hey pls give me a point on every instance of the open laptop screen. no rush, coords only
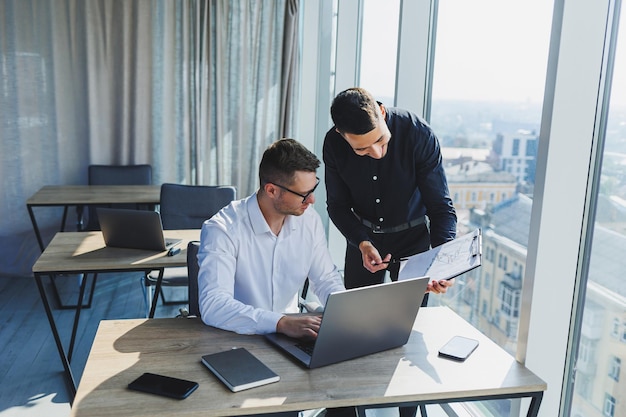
(135, 229)
(361, 321)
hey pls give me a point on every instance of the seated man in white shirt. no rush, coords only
(255, 254)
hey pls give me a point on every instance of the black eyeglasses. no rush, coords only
(304, 196)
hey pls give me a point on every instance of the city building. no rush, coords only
(516, 153)
(490, 296)
(475, 184)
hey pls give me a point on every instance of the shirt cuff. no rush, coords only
(268, 321)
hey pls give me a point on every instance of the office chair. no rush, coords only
(185, 207)
(192, 272)
(117, 175)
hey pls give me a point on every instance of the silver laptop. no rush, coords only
(359, 322)
(135, 229)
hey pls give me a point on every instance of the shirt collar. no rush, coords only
(259, 225)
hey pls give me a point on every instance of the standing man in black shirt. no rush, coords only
(387, 192)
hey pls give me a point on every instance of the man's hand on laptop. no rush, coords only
(299, 326)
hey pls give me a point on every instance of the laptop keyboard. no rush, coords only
(306, 347)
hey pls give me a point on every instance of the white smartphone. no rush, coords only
(458, 348)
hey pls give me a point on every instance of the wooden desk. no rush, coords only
(412, 374)
(82, 195)
(85, 252)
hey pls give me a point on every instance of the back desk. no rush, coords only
(84, 195)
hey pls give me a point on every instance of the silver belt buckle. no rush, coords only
(377, 229)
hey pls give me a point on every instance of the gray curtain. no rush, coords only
(195, 88)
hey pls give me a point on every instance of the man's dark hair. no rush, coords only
(355, 111)
(282, 159)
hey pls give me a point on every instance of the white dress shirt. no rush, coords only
(249, 276)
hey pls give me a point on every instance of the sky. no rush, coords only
(486, 49)
(494, 50)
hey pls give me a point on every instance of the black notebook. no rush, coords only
(239, 369)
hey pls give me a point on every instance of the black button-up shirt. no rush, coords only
(408, 182)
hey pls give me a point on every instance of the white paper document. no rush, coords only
(445, 261)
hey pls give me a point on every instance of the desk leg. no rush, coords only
(79, 218)
(35, 227)
(157, 289)
(62, 228)
(535, 402)
(57, 339)
(81, 294)
(57, 295)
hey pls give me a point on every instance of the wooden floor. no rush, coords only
(32, 381)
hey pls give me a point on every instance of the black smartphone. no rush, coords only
(458, 348)
(163, 385)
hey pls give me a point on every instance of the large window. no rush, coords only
(489, 77)
(605, 301)
(379, 48)
(488, 81)
(477, 72)
(487, 92)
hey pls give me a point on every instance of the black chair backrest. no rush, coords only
(188, 206)
(192, 273)
(117, 175)
(120, 174)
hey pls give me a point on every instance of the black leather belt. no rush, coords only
(376, 228)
